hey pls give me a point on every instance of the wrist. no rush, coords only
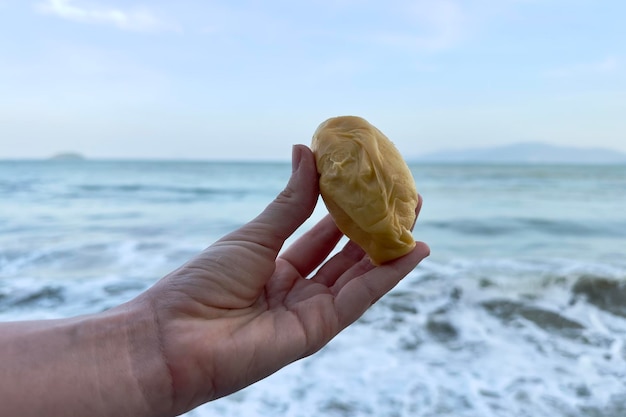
(106, 364)
(136, 358)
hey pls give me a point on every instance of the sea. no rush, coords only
(520, 311)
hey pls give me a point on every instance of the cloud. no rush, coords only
(605, 66)
(140, 20)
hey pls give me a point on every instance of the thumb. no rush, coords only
(289, 209)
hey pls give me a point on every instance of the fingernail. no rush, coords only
(296, 157)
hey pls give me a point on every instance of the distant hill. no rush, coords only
(528, 152)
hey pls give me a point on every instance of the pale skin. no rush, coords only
(229, 317)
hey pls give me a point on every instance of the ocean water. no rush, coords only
(519, 311)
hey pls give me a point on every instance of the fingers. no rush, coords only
(356, 295)
(337, 266)
(290, 208)
(361, 284)
(312, 248)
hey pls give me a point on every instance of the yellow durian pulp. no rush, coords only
(367, 186)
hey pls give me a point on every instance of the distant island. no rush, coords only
(527, 153)
(67, 156)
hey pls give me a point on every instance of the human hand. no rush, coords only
(239, 311)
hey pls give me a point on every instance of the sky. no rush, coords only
(230, 79)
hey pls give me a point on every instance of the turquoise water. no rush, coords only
(519, 311)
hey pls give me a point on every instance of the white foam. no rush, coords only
(389, 363)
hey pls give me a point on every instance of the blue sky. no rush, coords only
(247, 79)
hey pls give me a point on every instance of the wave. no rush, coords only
(9, 186)
(553, 227)
(88, 190)
(129, 191)
(463, 337)
(608, 294)
(440, 344)
(46, 296)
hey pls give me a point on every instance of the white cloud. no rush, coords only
(139, 19)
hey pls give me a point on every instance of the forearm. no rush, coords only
(99, 365)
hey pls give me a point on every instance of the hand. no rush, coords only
(238, 312)
(229, 317)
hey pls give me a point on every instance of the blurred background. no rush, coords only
(134, 134)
